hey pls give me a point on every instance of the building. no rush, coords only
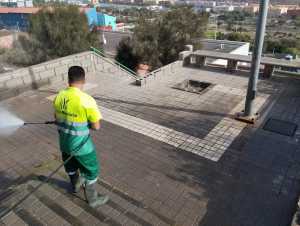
(15, 18)
(293, 12)
(107, 22)
(100, 20)
(16, 3)
(224, 46)
(274, 10)
(154, 7)
(278, 10)
(24, 4)
(91, 15)
(223, 8)
(252, 8)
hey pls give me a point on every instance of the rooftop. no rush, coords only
(26, 10)
(29, 10)
(223, 46)
(168, 156)
(245, 58)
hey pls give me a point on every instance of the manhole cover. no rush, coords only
(193, 86)
(281, 127)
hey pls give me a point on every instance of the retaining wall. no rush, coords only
(20, 80)
(33, 77)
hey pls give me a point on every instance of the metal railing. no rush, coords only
(169, 67)
(114, 62)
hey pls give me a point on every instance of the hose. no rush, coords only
(39, 123)
(7, 211)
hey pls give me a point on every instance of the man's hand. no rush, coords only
(95, 125)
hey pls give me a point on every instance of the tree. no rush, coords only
(221, 36)
(293, 51)
(239, 36)
(297, 21)
(178, 28)
(55, 31)
(62, 30)
(235, 16)
(26, 51)
(283, 45)
(158, 41)
(125, 54)
(38, 2)
(145, 42)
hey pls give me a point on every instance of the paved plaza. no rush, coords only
(168, 157)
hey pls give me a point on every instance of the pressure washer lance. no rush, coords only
(15, 207)
(39, 123)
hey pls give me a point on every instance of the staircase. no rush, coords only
(117, 67)
(103, 61)
(53, 204)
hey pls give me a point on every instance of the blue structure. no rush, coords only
(100, 19)
(105, 20)
(91, 15)
(18, 18)
(15, 21)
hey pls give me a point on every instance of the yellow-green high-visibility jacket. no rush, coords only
(74, 110)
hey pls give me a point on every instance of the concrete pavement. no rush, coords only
(155, 163)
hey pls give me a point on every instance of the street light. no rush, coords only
(249, 114)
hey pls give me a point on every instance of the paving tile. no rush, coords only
(154, 134)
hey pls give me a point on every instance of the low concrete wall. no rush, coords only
(18, 81)
(33, 77)
(167, 70)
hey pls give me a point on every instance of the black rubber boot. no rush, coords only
(92, 196)
(76, 182)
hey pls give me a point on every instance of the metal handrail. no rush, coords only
(128, 70)
(112, 61)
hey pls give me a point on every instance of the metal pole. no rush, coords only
(256, 57)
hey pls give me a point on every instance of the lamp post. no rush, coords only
(256, 58)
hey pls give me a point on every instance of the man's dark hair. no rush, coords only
(76, 74)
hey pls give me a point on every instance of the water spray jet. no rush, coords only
(10, 123)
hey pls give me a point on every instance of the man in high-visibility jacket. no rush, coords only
(76, 113)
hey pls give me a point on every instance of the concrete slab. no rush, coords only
(150, 142)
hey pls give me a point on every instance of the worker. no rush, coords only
(76, 113)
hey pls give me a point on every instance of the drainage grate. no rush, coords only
(282, 127)
(193, 86)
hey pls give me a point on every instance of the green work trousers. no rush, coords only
(88, 165)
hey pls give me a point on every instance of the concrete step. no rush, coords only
(12, 219)
(122, 207)
(53, 204)
(35, 210)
